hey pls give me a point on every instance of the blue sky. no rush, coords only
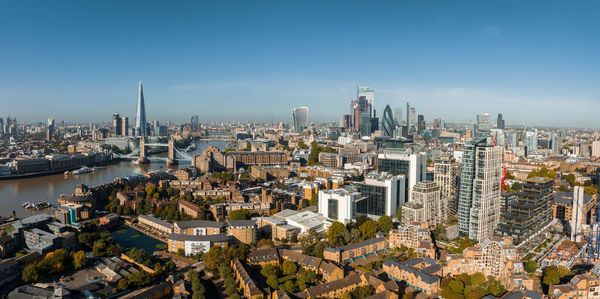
(537, 62)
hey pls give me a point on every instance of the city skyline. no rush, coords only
(449, 61)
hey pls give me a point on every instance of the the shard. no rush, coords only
(140, 115)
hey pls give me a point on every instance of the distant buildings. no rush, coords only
(300, 117)
(483, 126)
(500, 122)
(479, 195)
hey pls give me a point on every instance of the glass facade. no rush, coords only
(374, 204)
(332, 209)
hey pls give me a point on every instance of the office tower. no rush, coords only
(368, 95)
(420, 123)
(339, 204)
(346, 122)
(479, 192)
(500, 122)
(444, 174)
(140, 116)
(382, 193)
(398, 116)
(1, 125)
(116, 124)
(498, 135)
(300, 117)
(554, 143)
(427, 194)
(124, 125)
(365, 123)
(51, 128)
(410, 117)
(411, 166)
(194, 124)
(531, 141)
(578, 216)
(387, 122)
(484, 125)
(530, 212)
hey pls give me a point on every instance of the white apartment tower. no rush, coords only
(479, 193)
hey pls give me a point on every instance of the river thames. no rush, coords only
(13, 193)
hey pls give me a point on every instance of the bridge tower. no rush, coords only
(171, 153)
(142, 158)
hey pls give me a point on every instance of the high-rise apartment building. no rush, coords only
(387, 122)
(445, 175)
(554, 143)
(300, 117)
(141, 124)
(531, 141)
(426, 195)
(403, 162)
(479, 192)
(116, 124)
(513, 140)
(124, 125)
(596, 148)
(529, 212)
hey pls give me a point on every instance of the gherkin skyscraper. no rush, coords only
(388, 122)
(140, 115)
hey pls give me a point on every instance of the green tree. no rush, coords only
(213, 258)
(476, 279)
(385, 224)
(289, 268)
(530, 266)
(273, 282)
(123, 284)
(270, 270)
(289, 287)
(456, 286)
(241, 214)
(368, 229)
(31, 273)
(516, 187)
(335, 233)
(399, 214)
(570, 179)
(79, 259)
(550, 276)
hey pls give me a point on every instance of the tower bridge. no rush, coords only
(174, 155)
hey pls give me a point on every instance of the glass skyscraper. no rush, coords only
(387, 122)
(140, 114)
(300, 117)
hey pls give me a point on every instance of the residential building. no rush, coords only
(193, 244)
(156, 224)
(355, 251)
(562, 207)
(497, 257)
(188, 208)
(198, 227)
(329, 271)
(479, 193)
(530, 212)
(445, 175)
(423, 274)
(263, 257)
(243, 231)
(247, 285)
(434, 207)
(413, 235)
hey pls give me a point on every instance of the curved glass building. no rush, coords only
(300, 116)
(388, 122)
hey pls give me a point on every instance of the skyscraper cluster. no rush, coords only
(362, 117)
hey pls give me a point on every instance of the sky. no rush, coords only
(537, 62)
